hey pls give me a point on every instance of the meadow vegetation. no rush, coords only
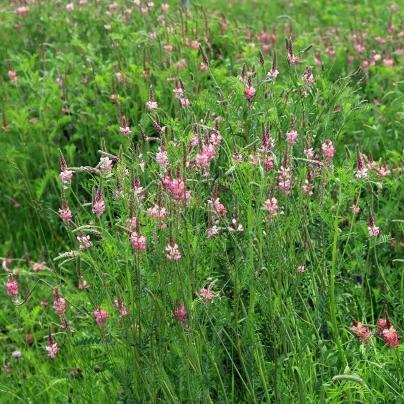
(203, 204)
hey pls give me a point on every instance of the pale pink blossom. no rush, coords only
(390, 336)
(212, 231)
(172, 251)
(22, 10)
(59, 305)
(52, 350)
(152, 105)
(309, 153)
(388, 62)
(70, 7)
(84, 242)
(38, 266)
(162, 157)
(271, 205)
(98, 204)
(284, 179)
(300, 269)
(138, 241)
(249, 92)
(65, 214)
(106, 164)
(185, 102)
(215, 204)
(13, 76)
(164, 7)
(328, 149)
(121, 307)
(195, 45)
(66, 176)
(291, 137)
(273, 74)
(360, 332)
(168, 48)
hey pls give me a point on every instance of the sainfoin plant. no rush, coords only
(227, 238)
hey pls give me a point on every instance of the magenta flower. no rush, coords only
(390, 336)
(12, 287)
(52, 347)
(59, 305)
(53, 350)
(66, 177)
(100, 315)
(138, 241)
(249, 92)
(65, 214)
(328, 149)
(106, 164)
(360, 332)
(180, 314)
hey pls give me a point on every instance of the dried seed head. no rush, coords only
(204, 57)
(262, 61)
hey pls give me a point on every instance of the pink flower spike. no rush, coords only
(52, 350)
(172, 251)
(180, 314)
(12, 287)
(291, 137)
(390, 336)
(328, 149)
(271, 205)
(59, 305)
(249, 92)
(100, 315)
(372, 228)
(98, 204)
(121, 307)
(361, 332)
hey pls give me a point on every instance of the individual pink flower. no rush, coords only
(215, 204)
(16, 354)
(70, 7)
(203, 67)
(12, 287)
(249, 92)
(38, 266)
(65, 214)
(309, 153)
(83, 283)
(164, 7)
(212, 231)
(372, 229)
(383, 171)
(362, 171)
(390, 336)
(13, 76)
(361, 332)
(307, 187)
(180, 314)
(106, 164)
(84, 242)
(271, 205)
(382, 323)
(168, 48)
(273, 74)
(162, 157)
(52, 347)
(291, 137)
(355, 208)
(98, 204)
(207, 294)
(284, 179)
(172, 251)
(160, 213)
(185, 102)
(22, 10)
(138, 241)
(118, 303)
(100, 315)
(59, 305)
(124, 129)
(66, 176)
(388, 62)
(300, 269)
(152, 105)
(328, 149)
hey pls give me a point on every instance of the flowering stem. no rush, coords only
(333, 307)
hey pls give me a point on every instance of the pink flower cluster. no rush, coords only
(159, 213)
(172, 251)
(59, 305)
(284, 179)
(180, 314)
(12, 287)
(361, 332)
(328, 149)
(84, 242)
(175, 187)
(121, 307)
(388, 332)
(217, 207)
(271, 205)
(100, 315)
